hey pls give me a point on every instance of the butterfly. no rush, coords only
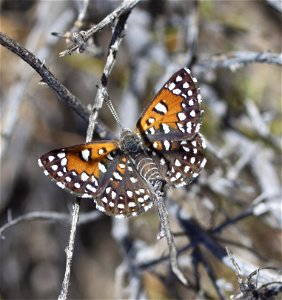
(120, 175)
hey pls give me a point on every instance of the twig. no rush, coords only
(111, 58)
(235, 60)
(69, 250)
(40, 43)
(48, 216)
(83, 10)
(166, 231)
(198, 257)
(275, 4)
(113, 48)
(81, 37)
(192, 29)
(62, 92)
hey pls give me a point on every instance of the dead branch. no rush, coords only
(236, 60)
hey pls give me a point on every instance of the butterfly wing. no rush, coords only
(179, 162)
(126, 194)
(83, 170)
(99, 170)
(175, 113)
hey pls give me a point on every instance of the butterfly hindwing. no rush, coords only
(175, 113)
(180, 161)
(126, 194)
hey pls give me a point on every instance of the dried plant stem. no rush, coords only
(69, 250)
(235, 60)
(83, 36)
(166, 231)
(62, 92)
(98, 102)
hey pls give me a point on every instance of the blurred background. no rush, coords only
(242, 125)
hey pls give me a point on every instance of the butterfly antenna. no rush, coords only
(112, 109)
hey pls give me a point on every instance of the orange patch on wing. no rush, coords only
(173, 103)
(78, 164)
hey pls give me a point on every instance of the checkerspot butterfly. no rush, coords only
(120, 175)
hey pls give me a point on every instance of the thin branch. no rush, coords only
(235, 60)
(275, 4)
(69, 250)
(79, 38)
(62, 92)
(166, 231)
(48, 216)
(111, 58)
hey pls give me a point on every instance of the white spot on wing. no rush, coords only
(133, 179)
(189, 127)
(54, 167)
(161, 108)
(187, 70)
(192, 113)
(171, 86)
(91, 188)
(203, 163)
(117, 176)
(61, 185)
(85, 154)
(176, 91)
(186, 169)
(64, 161)
(61, 155)
(129, 193)
(166, 145)
(177, 163)
(181, 116)
(40, 163)
(102, 167)
(84, 176)
(165, 128)
(178, 78)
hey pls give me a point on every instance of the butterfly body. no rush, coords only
(121, 175)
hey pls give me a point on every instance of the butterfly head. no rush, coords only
(130, 142)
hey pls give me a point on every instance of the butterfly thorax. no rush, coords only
(130, 142)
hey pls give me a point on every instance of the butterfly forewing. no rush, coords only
(175, 113)
(82, 169)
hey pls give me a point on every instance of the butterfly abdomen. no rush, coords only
(146, 167)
